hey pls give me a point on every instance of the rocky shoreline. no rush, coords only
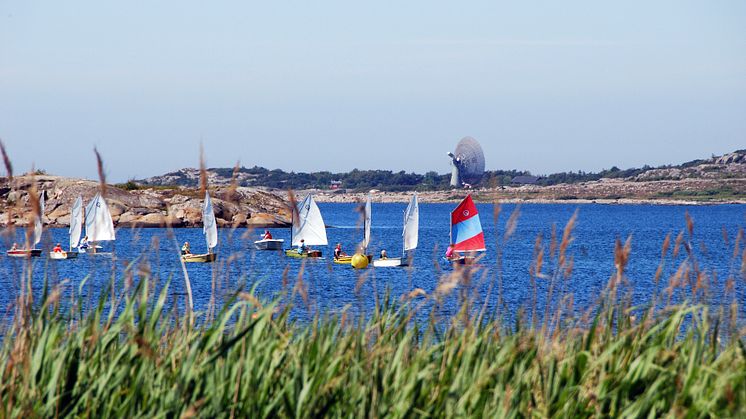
(256, 207)
(604, 191)
(144, 208)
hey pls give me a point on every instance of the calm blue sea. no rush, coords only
(333, 287)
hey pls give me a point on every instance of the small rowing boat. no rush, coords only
(269, 244)
(23, 253)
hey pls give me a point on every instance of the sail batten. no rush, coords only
(308, 225)
(410, 233)
(466, 228)
(209, 226)
(76, 222)
(98, 223)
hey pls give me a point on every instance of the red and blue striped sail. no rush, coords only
(466, 229)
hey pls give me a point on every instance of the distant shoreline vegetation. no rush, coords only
(391, 181)
(384, 180)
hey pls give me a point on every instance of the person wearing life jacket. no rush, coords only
(449, 252)
(267, 235)
(58, 248)
(338, 253)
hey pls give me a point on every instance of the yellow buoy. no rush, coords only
(359, 261)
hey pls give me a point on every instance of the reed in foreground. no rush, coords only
(131, 356)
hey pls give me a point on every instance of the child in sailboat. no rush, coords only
(302, 248)
(384, 255)
(83, 243)
(267, 235)
(338, 251)
(449, 252)
(186, 249)
(58, 248)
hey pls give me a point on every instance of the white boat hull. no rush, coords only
(389, 263)
(63, 255)
(24, 253)
(269, 244)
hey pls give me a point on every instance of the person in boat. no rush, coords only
(338, 253)
(58, 248)
(14, 247)
(449, 252)
(302, 248)
(384, 255)
(84, 243)
(186, 249)
(267, 235)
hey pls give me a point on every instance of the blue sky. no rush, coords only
(544, 85)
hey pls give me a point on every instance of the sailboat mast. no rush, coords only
(404, 237)
(293, 210)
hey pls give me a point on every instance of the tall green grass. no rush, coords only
(133, 356)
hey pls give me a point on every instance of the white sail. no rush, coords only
(366, 224)
(308, 224)
(76, 222)
(411, 224)
(98, 223)
(209, 227)
(38, 225)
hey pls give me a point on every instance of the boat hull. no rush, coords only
(58, 255)
(347, 260)
(389, 263)
(315, 254)
(63, 255)
(204, 258)
(463, 260)
(269, 244)
(26, 253)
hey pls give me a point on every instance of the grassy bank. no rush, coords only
(130, 355)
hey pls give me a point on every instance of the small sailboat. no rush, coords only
(98, 223)
(467, 237)
(347, 259)
(76, 227)
(38, 229)
(410, 235)
(210, 229)
(308, 228)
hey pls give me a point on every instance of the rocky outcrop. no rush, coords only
(727, 166)
(149, 207)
